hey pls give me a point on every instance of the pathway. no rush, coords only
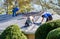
(8, 20)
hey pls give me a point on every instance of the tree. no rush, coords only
(12, 32)
(47, 5)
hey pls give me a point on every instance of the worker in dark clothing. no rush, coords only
(29, 21)
(48, 17)
(15, 9)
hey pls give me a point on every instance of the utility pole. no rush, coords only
(7, 8)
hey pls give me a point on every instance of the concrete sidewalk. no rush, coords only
(20, 21)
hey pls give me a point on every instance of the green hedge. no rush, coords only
(44, 29)
(54, 34)
(13, 32)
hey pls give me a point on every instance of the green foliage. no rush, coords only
(54, 34)
(45, 28)
(13, 32)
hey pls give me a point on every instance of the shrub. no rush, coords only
(44, 29)
(54, 34)
(12, 32)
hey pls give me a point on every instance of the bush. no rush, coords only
(54, 34)
(44, 29)
(12, 32)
